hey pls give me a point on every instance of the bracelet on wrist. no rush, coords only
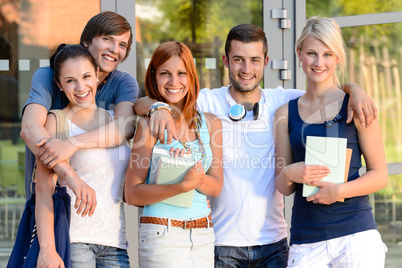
(159, 105)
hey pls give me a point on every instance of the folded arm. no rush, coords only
(52, 151)
(287, 173)
(374, 179)
(136, 191)
(33, 131)
(112, 134)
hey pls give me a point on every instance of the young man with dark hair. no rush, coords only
(108, 36)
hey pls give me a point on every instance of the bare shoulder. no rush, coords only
(213, 121)
(211, 117)
(282, 111)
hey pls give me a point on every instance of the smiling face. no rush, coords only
(78, 80)
(108, 51)
(246, 63)
(172, 81)
(319, 62)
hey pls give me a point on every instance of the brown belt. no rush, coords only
(200, 223)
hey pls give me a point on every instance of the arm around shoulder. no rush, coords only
(113, 134)
(360, 104)
(125, 119)
(142, 105)
(159, 120)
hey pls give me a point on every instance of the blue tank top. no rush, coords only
(199, 207)
(314, 222)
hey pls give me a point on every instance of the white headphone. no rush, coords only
(237, 111)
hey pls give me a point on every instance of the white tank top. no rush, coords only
(104, 170)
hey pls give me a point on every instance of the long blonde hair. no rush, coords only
(327, 31)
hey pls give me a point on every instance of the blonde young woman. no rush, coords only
(325, 232)
(174, 236)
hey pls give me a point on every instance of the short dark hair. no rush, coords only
(106, 23)
(246, 33)
(65, 52)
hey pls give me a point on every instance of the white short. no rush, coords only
(163, 246)
(363, 249)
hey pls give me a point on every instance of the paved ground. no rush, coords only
(394, 255)
(5, 250)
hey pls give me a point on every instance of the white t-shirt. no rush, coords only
(249, 210)
(104, 170)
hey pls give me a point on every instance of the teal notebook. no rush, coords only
(329, 152)
(166, 169)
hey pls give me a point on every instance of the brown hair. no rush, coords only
(65, 52)
(162, 54)
(246, 33)
(106, 23)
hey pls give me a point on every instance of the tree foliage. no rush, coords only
(201, 20)
(386, 34)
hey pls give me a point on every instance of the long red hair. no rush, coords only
(162, 54)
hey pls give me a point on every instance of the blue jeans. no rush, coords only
(93, 255)
(273, 256)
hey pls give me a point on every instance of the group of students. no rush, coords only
(244, 225)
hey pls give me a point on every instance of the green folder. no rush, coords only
(166, 169)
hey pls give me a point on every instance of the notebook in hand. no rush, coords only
(326, 151)
(166, 169)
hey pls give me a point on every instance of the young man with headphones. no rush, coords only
(250, 230)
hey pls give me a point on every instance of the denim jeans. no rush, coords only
(273, 256)
(96, 256)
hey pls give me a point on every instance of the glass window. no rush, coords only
(30, 31)
(387, 205)
(201, 25)
(375, 62)
(340, 8)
